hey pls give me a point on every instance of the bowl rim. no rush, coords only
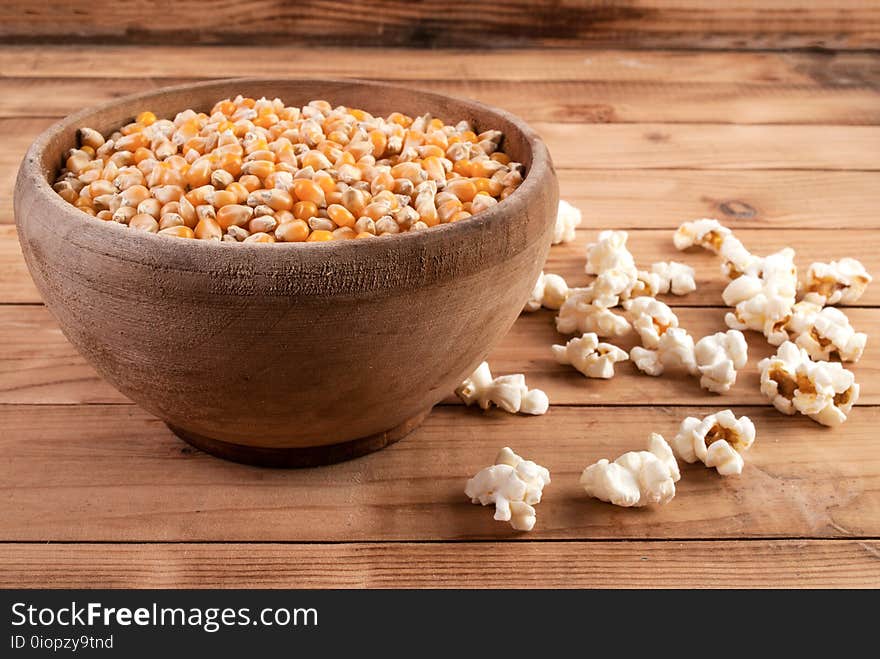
(32, 172)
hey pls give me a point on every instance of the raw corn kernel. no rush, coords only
(256, 170)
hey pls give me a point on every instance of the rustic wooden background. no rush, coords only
(784, 147)
(739, 24)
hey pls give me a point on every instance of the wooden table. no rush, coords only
(784, 148)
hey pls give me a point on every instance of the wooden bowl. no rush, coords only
(286, 354)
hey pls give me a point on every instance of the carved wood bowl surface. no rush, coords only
(286, 353)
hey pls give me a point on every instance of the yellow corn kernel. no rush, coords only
(177, 232)
(143, 222)
(222, 198)
(463, 188)
(234, 215)
(295, 231)
(344, 233)
(340, 215)
(260, 238)
(146, 118)
(320, 236)
(208, 229)
(487, 186)
(307, 190)
(303, 210)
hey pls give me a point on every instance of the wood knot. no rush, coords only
(657, 136)
(738, 209)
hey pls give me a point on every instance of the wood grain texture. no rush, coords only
(117, 474)
(718, 564)
(711, 146)
(541, 101)
(653, 23)
(744, 199)
(82, 465)
(39, 366)
(817, 69)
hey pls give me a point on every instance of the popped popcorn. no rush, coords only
(764, 303)
(509, 392)
(737, 260)
(550, 292)
(609, 253)
(589, 356)
(610, 286)
(636, 478)
(568, 218)
(823, 391)
(841, 281)
(580, 314)
(675, 349)
(676, 278)
(514, 485)
(650, 318)
(718, 357)
(717, 440)
(705, 233)
(823, 332)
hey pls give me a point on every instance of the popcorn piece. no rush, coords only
(580, 314)
(823, 391)
(718, 356)
(610, 286)
(825, 332)
(676, 278)
(650, 318)
(717, 441)
(841, 281)
(637, 478)
(737, 260)
(509, 392)
(589, 356)
(706, 233)
(550, 291)
(764, 303)
(609, 253)
(645, 284)
(675, 349)
(514, 485)
(567, 219)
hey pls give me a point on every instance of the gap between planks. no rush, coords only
(635, 564)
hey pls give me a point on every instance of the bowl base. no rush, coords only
(312, 456)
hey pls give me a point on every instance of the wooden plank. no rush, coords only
(663, 198)
(553, 101)
(707, 146)
(826, 69)
(648, 245)
(694, 564)
(113, 473)
(39, 366)
(646, 23)
(16, 286)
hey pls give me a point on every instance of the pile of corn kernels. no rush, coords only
(259, 171)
